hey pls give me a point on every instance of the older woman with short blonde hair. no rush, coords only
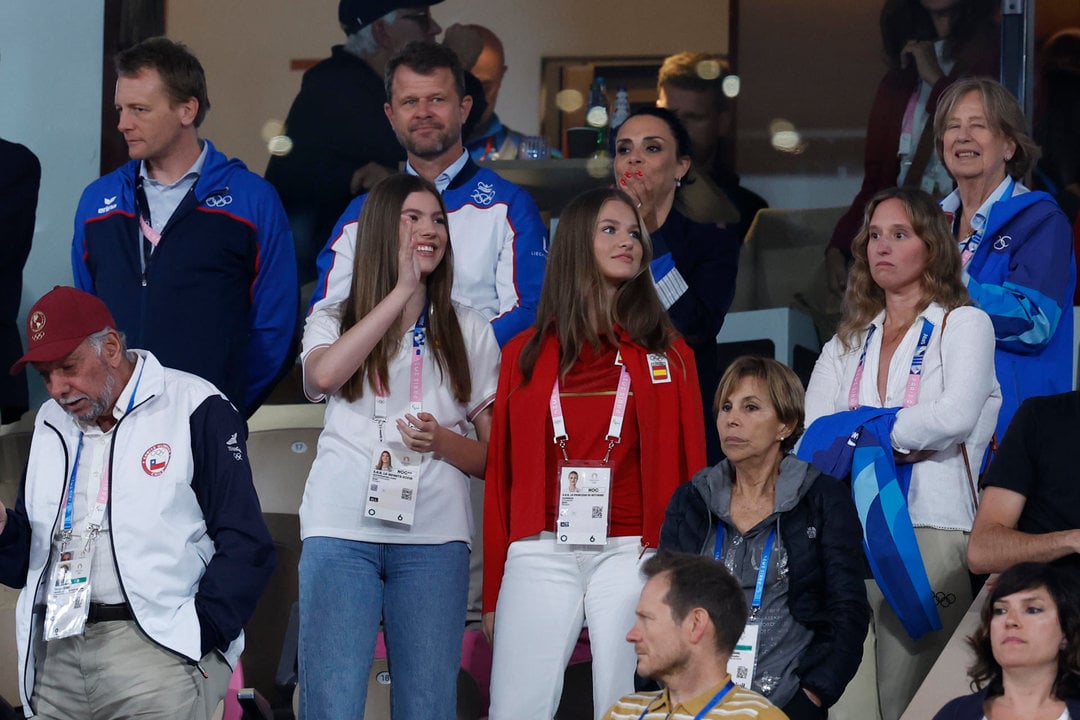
(1016, 245)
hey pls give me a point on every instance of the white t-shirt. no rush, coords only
(335, 494)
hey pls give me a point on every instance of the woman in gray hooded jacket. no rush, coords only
(791, 537)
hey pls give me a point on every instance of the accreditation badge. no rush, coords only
(67, 601)
(392, 484)
(584, 503)
(744, 656)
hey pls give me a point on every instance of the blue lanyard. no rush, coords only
(911, 391)
(69, 504)
(419, 335)
(763, 566)
(711, 704)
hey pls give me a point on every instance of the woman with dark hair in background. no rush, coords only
(694, 263)
(1027, 649)
(928, 45)
(604, 375)
(1058, 171)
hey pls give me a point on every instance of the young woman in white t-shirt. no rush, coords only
(386, 516)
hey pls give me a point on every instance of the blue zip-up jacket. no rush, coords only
(500, 250)
(192, 551)
(218, 296)
(1023, 275)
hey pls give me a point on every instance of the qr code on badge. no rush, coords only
(597, 512)
(374, 487)
(406, 494)
(740, 673)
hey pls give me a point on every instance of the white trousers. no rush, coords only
(548, 593)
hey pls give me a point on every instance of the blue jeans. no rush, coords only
(346, 588)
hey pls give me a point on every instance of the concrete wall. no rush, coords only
(50, 101)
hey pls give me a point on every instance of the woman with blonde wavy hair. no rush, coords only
(909, 339)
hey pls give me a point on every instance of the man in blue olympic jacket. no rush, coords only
(500, 249)
(190, 251)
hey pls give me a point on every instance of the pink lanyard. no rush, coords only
(416, 377)
(618, 413)
(150, 233)
(911, 392)
(907, 129)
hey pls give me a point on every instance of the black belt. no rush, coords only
(103, 612)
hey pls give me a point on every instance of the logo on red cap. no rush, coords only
(37, 325)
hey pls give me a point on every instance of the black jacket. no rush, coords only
(827, 590)
(970, 707)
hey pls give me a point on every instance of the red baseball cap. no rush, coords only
(59, 322)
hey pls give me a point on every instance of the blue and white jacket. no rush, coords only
(500, 250)
(1023, 275)
(192, 552)
(218, 296)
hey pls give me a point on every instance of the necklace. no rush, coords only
(892, 334)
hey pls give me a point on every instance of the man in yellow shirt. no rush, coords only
(691, 614)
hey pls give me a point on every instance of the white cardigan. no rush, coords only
(958, 401)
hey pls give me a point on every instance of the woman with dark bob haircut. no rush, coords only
(1027, 649)
(761, 505)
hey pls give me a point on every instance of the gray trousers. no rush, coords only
(113, 670)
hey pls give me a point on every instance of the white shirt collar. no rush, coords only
(194, 171)
(446, 176)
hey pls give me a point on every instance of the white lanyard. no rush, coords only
(96, 512)
(618, 413)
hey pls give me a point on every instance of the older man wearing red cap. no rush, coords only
(137, 537)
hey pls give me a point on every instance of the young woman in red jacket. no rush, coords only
(602, 387)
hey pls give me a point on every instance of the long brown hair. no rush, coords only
(940, 280)
(573, 302)
(375, 272)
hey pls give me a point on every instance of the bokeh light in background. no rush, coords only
(709, 69)
(273, 134)
(731, 86)
(569, 100)
(785, 138)
(598, 167)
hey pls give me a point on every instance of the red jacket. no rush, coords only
(669, 423)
